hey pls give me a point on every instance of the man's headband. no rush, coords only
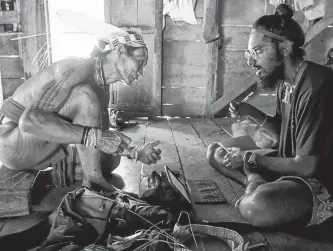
(133, 40)
(270, 34)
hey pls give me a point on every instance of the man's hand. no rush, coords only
(233, 110)
(240, 109)
(148, 155)
(234, 159)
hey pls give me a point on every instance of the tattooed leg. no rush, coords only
(93, 160)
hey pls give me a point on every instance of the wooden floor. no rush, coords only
(183, 144)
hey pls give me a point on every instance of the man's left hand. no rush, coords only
(148, 154)
(234, 159)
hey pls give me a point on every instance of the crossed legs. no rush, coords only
(267, 204)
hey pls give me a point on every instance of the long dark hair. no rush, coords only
(282, 24)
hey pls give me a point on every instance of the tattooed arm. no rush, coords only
(41, 119)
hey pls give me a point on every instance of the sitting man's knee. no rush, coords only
(255, 208)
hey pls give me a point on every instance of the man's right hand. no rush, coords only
(148, 154)
(233, 109)
(240, 109)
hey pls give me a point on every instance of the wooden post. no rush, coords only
(1, 88)
(222, 102)
(211, 36)
(157, 85)
(33, 22)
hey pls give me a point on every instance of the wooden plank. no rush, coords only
(9, 86)
(128, 169)
(184, 32)
(192, 153)
(1, 90)
(15, 192)
(232, 67)
(212, 52)
(231, 79)
(234, 61)
(209, 133)
(146, 13)
(14, 203)
(11, 67)
(320, 45)
(184, 53)
(225, 124)
(122, 12)
(7, 46)
(241, 12)
(184, 110)
(235, 37)
(136, 110)
(175, 75)
(9, 17)
(210, 25)
(158, 52)
(230, 96)
(183, 95)
(211, 32)
(33, 21)
(159, 129)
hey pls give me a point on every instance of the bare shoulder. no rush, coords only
(83, 99)
(83, 66)
(85, 94)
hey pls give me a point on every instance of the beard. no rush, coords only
(270, 82)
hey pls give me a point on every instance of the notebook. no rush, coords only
(196, 191)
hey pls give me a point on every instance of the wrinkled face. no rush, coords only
(265, 58)
(130, 67)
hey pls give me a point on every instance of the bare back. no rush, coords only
(56, 89)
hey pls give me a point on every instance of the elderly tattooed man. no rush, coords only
(65, 105)
(302, 188)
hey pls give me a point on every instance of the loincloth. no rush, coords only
(322, 201)
(11, 109)
(63, 173)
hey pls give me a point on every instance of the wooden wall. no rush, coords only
(184, 68)
(185, 59)
(11, 65)
(144, 97)
(237, 18)
(16, 56)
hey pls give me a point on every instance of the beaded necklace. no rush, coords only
(289, 88)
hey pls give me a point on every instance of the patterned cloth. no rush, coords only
(322, 201)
